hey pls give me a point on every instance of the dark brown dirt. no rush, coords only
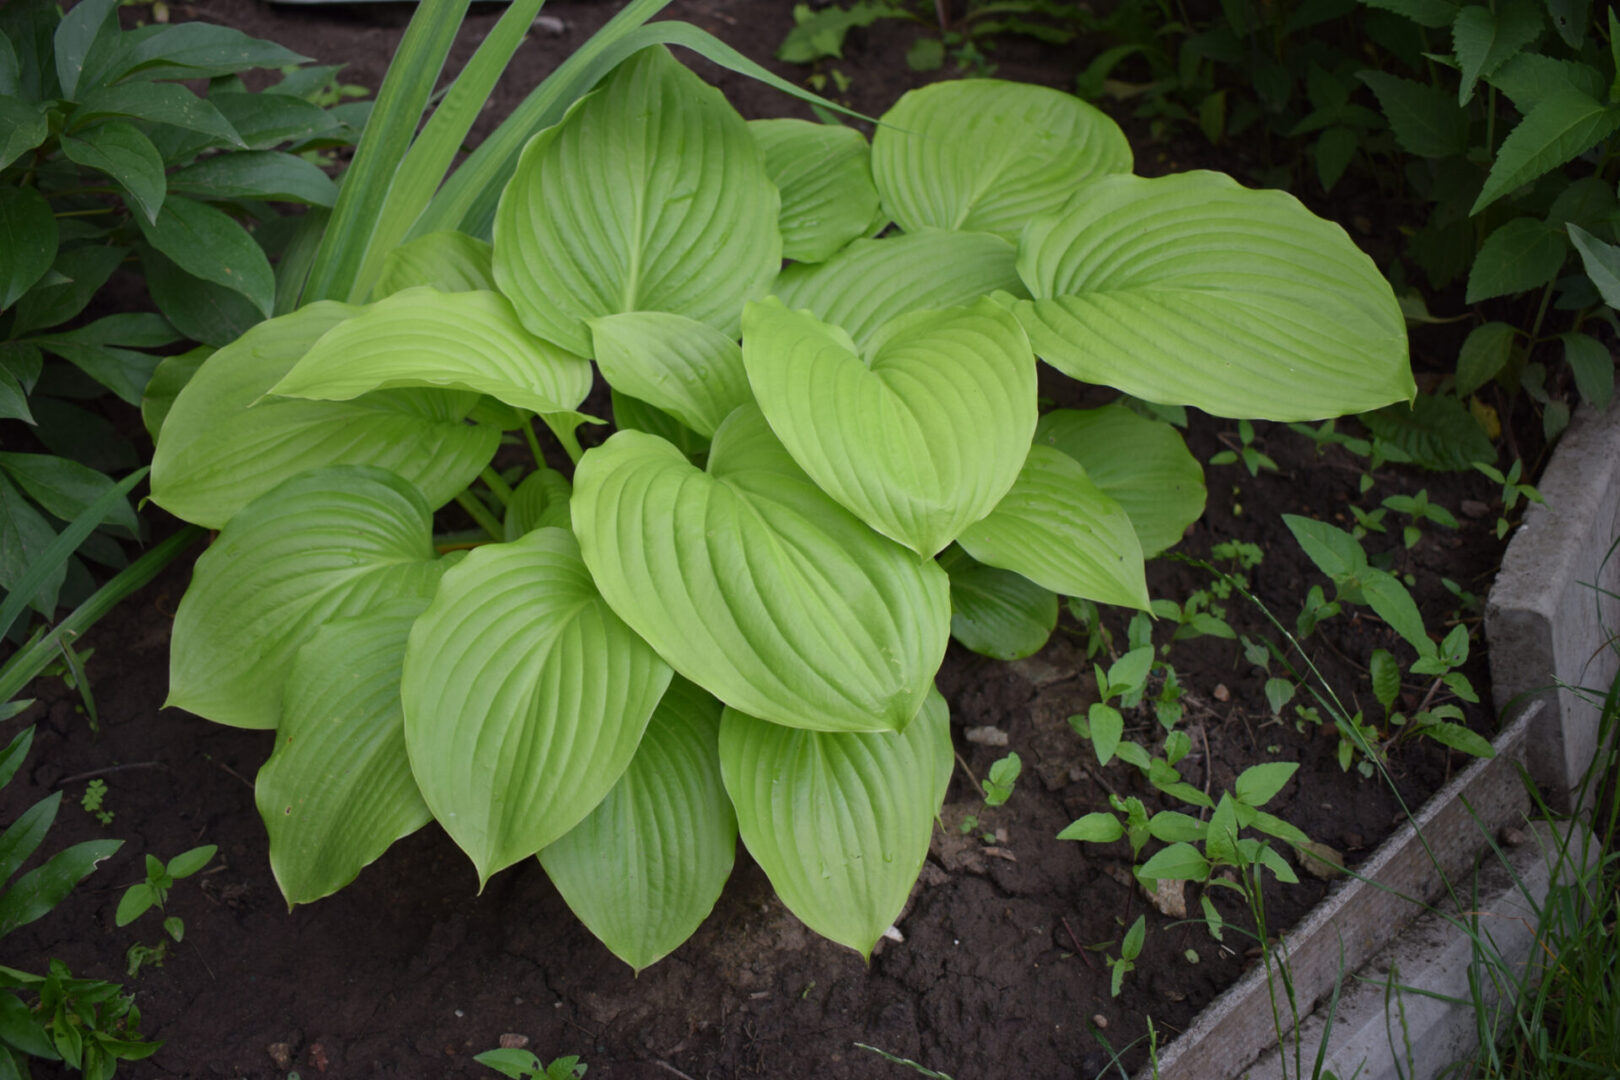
(408, 973)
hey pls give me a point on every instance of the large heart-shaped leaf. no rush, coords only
(525, 697)
(872, 282)
(222, 446)
(338, 790)
(453, 340)
(1060, 531)
(324, 545)
(986, 155)
(824, 172)
(840, 823)
(650, 195)
(756, 585)
(1143, 464)
(919, 438)
(447, 260)
(645, 868)
(686, 368)
(1189, 289)
(996, 612)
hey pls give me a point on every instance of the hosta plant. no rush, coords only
(728, 618)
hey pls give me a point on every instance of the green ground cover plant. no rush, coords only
(87, 1025)
(108, 158)
(728, 619)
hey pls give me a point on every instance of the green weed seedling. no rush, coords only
(154, 892)
(524, 1065)
(1340, 556)
(1513, 490)
(916, 1067)
(1129, 949)
(86, 1024)
(1419, 509)
(1251, 456)
(998, 785)
(93, 799)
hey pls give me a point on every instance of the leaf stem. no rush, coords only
(534, 445)
(1541, 314)
(479, 513)
(564, 431)
(492, 480)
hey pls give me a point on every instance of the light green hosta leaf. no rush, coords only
(540, 502)
(525, 697)
(1060, 531)
(824, 173)
(983, 155)
(1192, 290)
(840, 823)
(447, 260)
(224, 443)
(324, 545)
(338, 790)
(649, 196)
(633, 414)
(686, 368)
(756, 585)
(458, 340)
(996, 612)
(1143, 464)
(872, 282)
(919, 438)
(646, 867)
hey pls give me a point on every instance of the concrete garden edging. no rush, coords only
(1544, 624)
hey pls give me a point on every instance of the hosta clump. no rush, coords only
(730, 621)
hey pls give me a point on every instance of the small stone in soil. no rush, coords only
(1101, 1021)
(281, 1054)
(1513, 837)
(317, 1057)
(1221, 693)
(1320, 860)
(513, 1041)
(985, 736)
(549, 26)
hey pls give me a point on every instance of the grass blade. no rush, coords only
(389, 131)
(64, 546)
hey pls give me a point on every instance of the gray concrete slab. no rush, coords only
(1546, 618)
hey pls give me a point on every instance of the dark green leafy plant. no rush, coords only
(108, 158)
(731, 616)
(524, 1065)
(86, 1024)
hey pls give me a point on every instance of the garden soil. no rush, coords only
(1002, 971)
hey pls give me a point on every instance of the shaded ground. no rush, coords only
(407, 973)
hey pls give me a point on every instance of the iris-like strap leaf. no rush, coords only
(921, 437)
(1058, 529)
(872, 282)
(525, 698)
(1191, 290)
(649, 196)
(1143, 464)
(840, 823)
(686, 368)
(455, 340)
(824, 173)
(338, 790)
(327, 544)
(646, 867)
(222, 446)
(987, 155)
(756, 585)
